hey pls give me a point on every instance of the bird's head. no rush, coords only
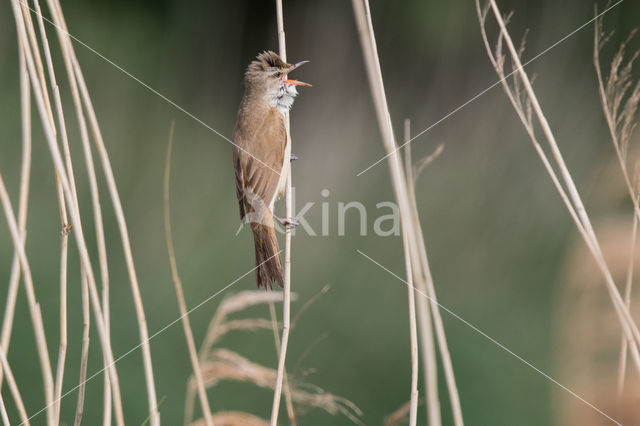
(268, 73)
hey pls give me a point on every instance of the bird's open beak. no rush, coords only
(296, 82)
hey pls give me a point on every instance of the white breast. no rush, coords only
(283, 98)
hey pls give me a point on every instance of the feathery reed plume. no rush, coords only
(228, 365)
(408, 212)
(219, 364)
(619, 95)
(398, 417)
(221, 325)
(234, 418)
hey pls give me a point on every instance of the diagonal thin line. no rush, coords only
(146, 86)
(491, 87)
(473, 327)
(152, 336)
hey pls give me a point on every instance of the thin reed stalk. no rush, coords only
(31, 42)
(3, 412)
(64, 238)
(34, 307)
(424, 316)
(447, 364)
(64, 249)
(23, 203)
(84, 356)
(413, 333)
(571, 198)
(177, 283)
(622, 365)
(285, 384)
(286, 309)
(13, 388)
(408, 215)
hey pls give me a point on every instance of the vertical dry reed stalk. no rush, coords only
(425, 329)
(413, 333)
(64, 249)
(64, 239)
(408, 214)
(622, 367)
(84, 356)
(285, 384)
(177, 283)
(523, 92)
(286, 310)
(23, 203)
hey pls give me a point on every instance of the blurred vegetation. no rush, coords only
(496, 231)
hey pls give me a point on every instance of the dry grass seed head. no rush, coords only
(623, 96)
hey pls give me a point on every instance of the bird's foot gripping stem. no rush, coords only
(287, 222)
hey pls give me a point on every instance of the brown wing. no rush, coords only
(258, 160)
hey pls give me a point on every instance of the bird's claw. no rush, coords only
(287, 222)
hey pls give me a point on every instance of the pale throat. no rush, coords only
(282, 99)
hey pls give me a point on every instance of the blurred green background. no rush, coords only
(497, 233)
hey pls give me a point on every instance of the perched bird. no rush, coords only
(262, 156)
